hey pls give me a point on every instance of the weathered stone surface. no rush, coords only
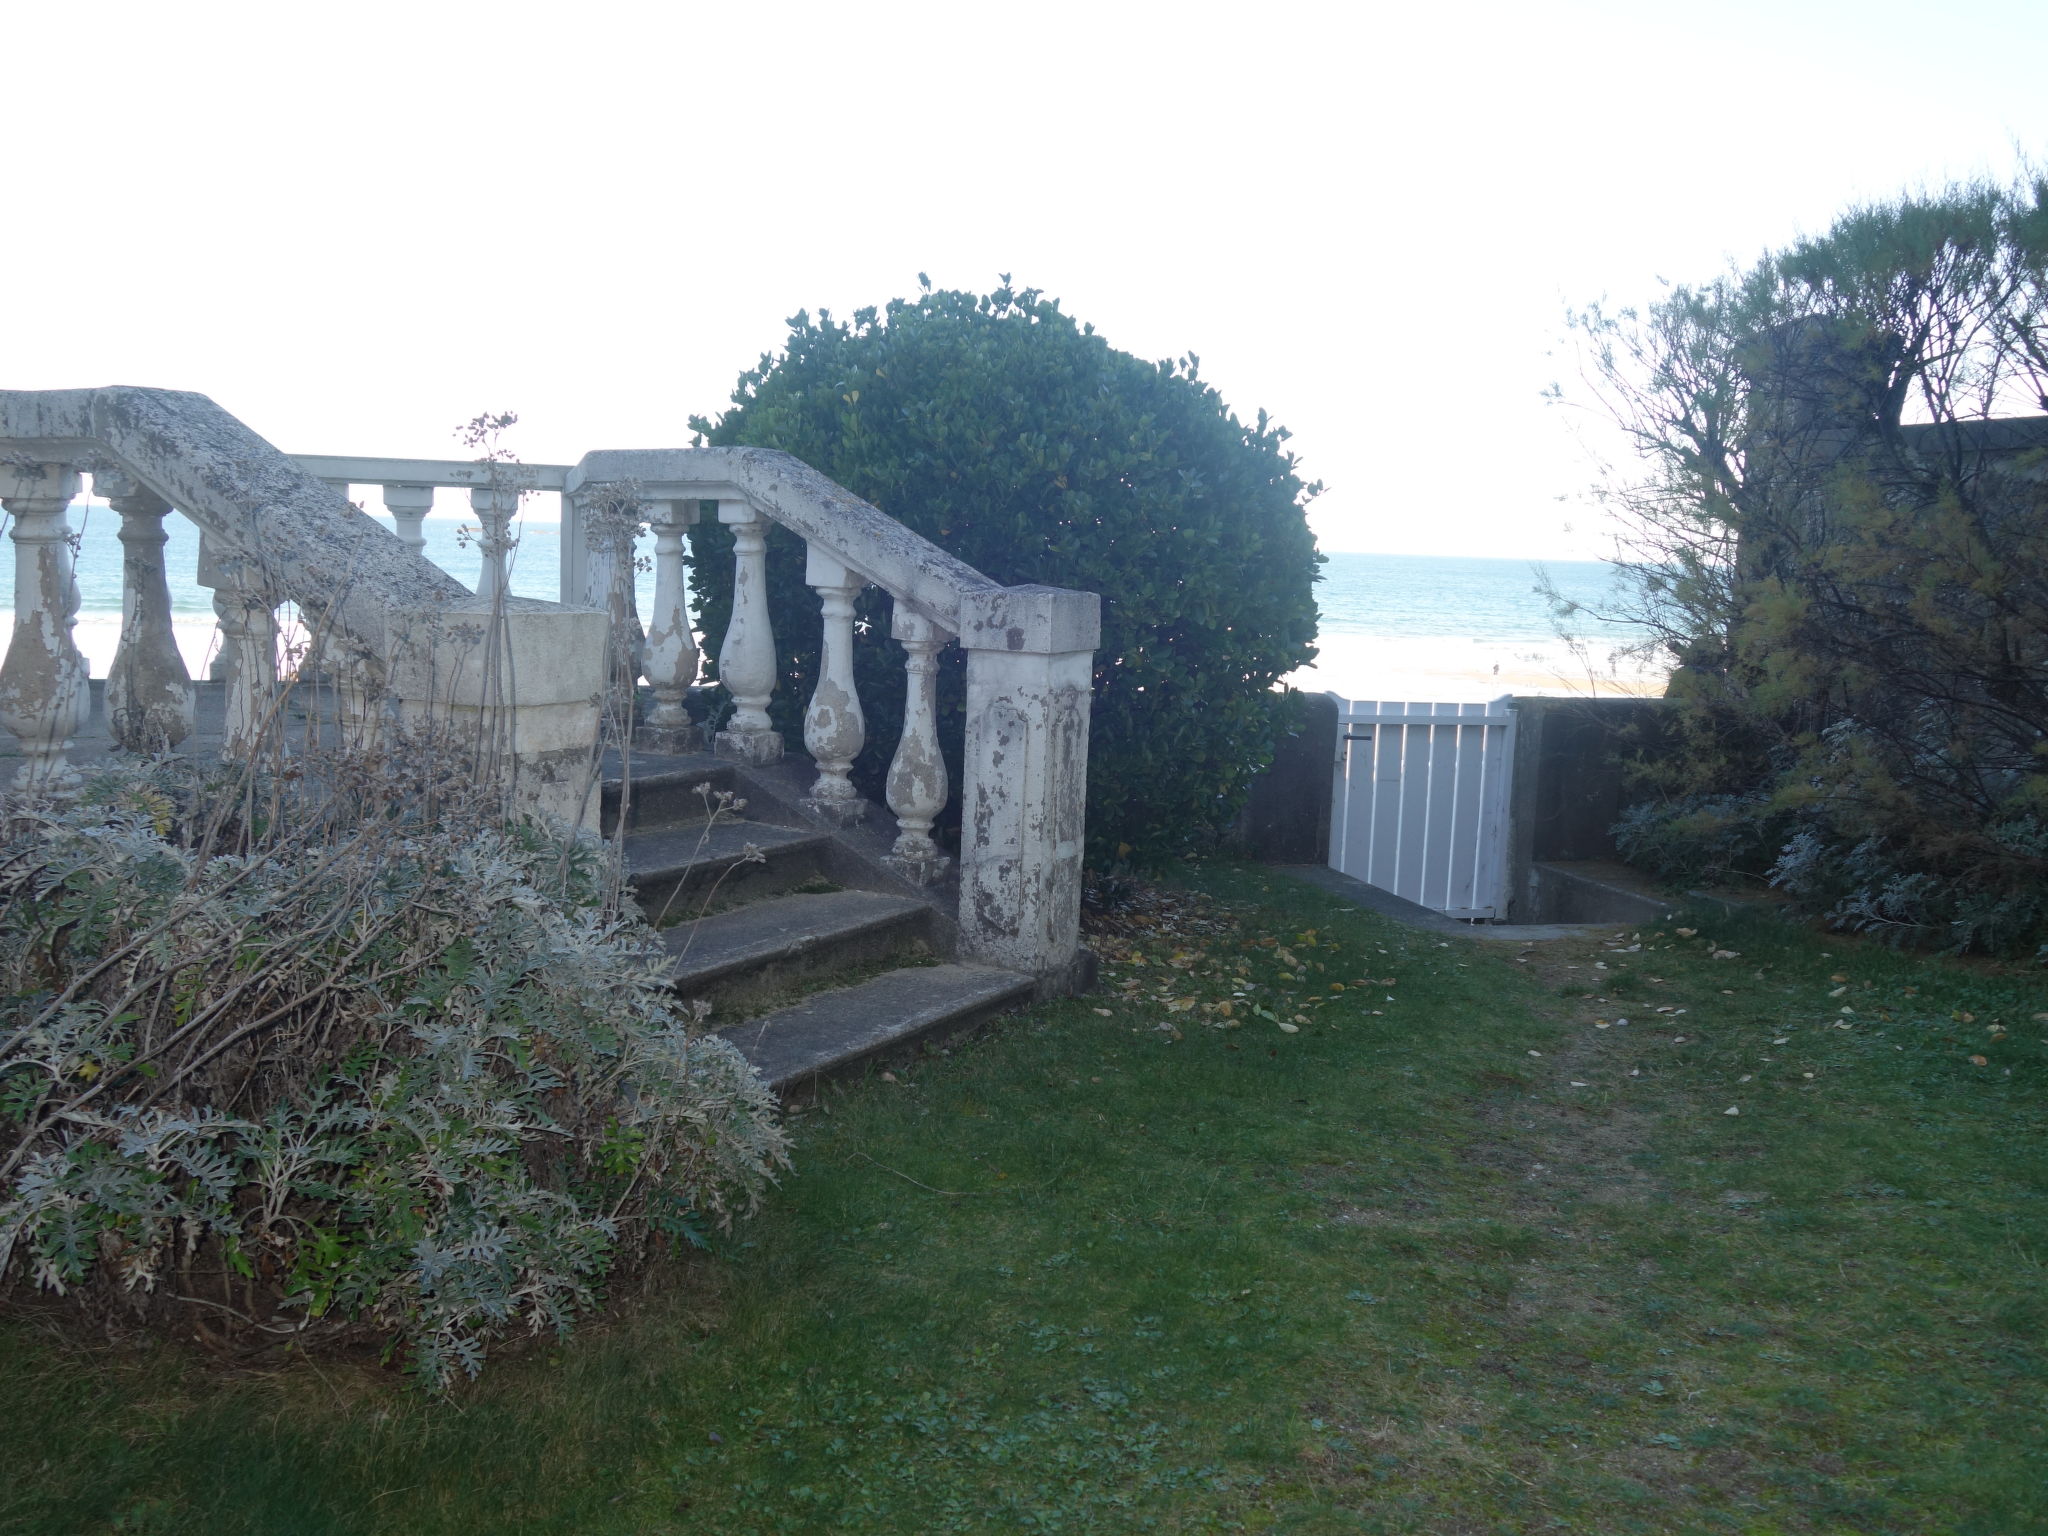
(1030, 647)
(312, 545)
(45, 699)
(524, 677)
(671, 658)
(835, 729)
(917, 785)
(149, 690)
(746, 658)
(1023, 816)
(870, 542)
(785, 932)
(831, 1031)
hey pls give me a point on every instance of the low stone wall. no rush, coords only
(1568, 791)
(1286, 817)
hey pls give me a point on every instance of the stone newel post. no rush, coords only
(1030, 673)
(45, 693)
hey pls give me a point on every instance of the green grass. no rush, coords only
(1390, 1272)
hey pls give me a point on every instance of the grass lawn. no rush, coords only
(1451, 1249)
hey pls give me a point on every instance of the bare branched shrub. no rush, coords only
(328, 1049)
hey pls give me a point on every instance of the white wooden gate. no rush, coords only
(1420, 806)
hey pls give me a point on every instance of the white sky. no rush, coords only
(356, 226)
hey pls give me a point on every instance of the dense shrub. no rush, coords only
(1024, 444)
(1842, 540)
(292, 1063)
(1712, 839)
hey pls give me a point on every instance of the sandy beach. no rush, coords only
(1459, 671)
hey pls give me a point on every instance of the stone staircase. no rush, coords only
(815, 957)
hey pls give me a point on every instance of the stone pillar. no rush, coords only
(834, 728)
(917, 787)
(1030, 673)
(409, 506)
(248, 633)
(454, 669)
(45, 690)
(494, 508)
(671, 654)
(746, 659)
(149, 692)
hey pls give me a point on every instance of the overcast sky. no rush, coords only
(357, 225)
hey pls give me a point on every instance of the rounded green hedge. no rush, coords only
(1020, 441)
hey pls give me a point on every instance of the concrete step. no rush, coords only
(831, 1032)
(765, 945)
(673, 869)
(666, 790)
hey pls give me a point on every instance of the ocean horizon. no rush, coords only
(1391, 625)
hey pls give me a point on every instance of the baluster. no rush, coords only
(746, 660)
(494, 508)
(248, 631)
(916, 788)
(149, 692)
(626, 652)
(671, 647)
(834, 729)
(409, 506)
(357, 681)
(45, 688)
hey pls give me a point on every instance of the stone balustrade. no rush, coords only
(1030, 663)
(402, 639)
(406, 640)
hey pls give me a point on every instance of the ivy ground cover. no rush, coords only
(1303, 1223)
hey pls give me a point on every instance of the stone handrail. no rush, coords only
(411, 635)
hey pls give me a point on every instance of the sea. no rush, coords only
(1418, 627)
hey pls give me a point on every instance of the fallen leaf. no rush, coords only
(1727, 954)
(1577, 1084)
(1685, 933)
(1732, 1110)
(1979, 1061)
(1180, 1005)
(1289, 1029)
(1535, 1053)
(1104, 1012)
